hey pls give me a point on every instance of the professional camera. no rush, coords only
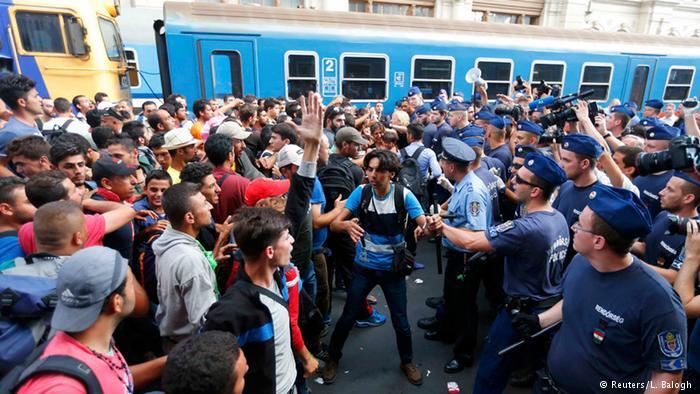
(677, 225)
(543, 88)
(552, 137)
(561, 108)
(683, 153)
(514, 111)
(519, 83)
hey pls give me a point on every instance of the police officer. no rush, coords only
(652, 108)
(579, 153)
(510, 205)
(617, 120)
(658, 139)
(483, 120)
(660, 248)
(471, 205)
(496, 138)
(534, 247)
(415, 101)
(439, 120)
(528, 133)
(621, 321)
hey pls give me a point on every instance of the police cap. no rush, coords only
(654, 103)
(414, 90)
(423, 109)
(621, 209)
(530, 127)
(650, 122)
(582, 144)
(545, 168)
(457, 151)
(623, 110)
(471, 130)
(523, 150)
(663, 132)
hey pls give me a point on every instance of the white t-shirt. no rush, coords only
(76, 126)
(285, 368)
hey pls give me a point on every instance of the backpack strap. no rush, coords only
(399, 205)
(365, 200)
(223, 179)
(64, 365)
(266, 292)
(403, 154)
(417, 153)
(64, 126)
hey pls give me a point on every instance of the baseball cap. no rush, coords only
(289, 154)
(103, 105)
(107, 167)
(179, 138)
(233, 130)
(262, 188)
(349, 134)
(85, 280)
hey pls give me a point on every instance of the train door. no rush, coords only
(639, 78)
(227, 67)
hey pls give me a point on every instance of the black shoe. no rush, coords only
(434, 302)
(458, 364)
(438, 336)
(522, 378)
(428, 323)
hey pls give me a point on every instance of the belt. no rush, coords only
(527, 304)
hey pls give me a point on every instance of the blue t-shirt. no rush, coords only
(9, 249)
(317, 197)
(15, 129)
(662, 249)
(429, 132)
(649, 187)
(570, 201)
(617, 326)
(471, 203)
(503, 154)
(443, 130)
(377, 252)
(534, 247)
(694, 348)
(495, 164)
(139, 225)
(491, 182)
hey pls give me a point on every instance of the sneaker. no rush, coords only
(372, 300)
(418, 266)
(434, 302)
(412, 373)
(376, 319)
(327, 320)
(329, 371)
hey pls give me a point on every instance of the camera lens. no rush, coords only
(677, 225)
(649, 163)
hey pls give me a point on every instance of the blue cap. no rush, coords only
(582, 144)
(523, 150)
(483, 114)
(398, 103)
(474, 142)
(530, 127)
(414, 90)
(471, 131)
(457, 106)
(457, 151)
(458, 94)
(631, 105)
(423, 109)
(663, 132)
(650, 122)
(623, 110)
(442, 91)
(545, 168)
(654, 103)
(507, 120)
(621, 209)
(439, 105)
(497, 122)
(476, 97)
(686, 177)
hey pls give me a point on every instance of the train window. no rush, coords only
(110, 37)
(227, 77)
(596, 76)
(364, 77)
(132, 65)
(552, 72)
(498, 73)
(40, 32)
(301, 74)
(431, 74)
(678, 83)
(639, 84)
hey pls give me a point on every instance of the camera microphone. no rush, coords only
(543, 102)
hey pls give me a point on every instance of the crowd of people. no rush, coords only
(195, 249)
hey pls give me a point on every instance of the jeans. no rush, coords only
(323, 290)
(394, 289)
(308, 280)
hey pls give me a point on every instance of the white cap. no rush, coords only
(233, 130)
(104, 105)
(179, 138)
(289, 154)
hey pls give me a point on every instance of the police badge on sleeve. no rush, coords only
(670, 343)
(474, 208)
(501, 228)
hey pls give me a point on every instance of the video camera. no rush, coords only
(514, 111)
(677, 225)
(683, 153)
(562, 110)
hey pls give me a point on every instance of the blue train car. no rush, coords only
(218, 49)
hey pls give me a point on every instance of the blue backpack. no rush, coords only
(26, 304)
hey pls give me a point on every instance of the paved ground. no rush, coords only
(370, 361)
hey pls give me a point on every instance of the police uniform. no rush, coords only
(534, 247)
(509, 209)
(654, 103)
(617, 326)
(571, 199)
(442, 131)
(471, 205)
(650, 185)
(412, 92)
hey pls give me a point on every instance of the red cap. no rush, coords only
(263, 188)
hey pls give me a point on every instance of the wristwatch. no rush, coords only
(608, 134)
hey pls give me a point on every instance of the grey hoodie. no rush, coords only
(185, 284)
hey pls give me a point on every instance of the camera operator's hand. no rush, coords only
(504, 98)
(600, 124)
(690, 110)
(526, 324)
(581, 110)
(692, 243)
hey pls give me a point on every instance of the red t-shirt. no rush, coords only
(94, 226)
(232, 194)
(64, 345)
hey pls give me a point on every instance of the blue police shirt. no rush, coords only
(662, 249)
(426, 160)
(317, 197)
(570, 201)
(497, 164)
(534, 247)
(377, 253)
(491, 182)
(617, 326)
(443, 130)
(471, 203)
(694, 349)
(649, 187)
(429, 132)
(503, 154)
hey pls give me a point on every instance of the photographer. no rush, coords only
(686, 285)
(658, 139)
(690, 113)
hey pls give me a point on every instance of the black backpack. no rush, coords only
(337, 180)
(143, 265)
(366, 200)
(410, 175)
(64, 365)
(51, 135)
